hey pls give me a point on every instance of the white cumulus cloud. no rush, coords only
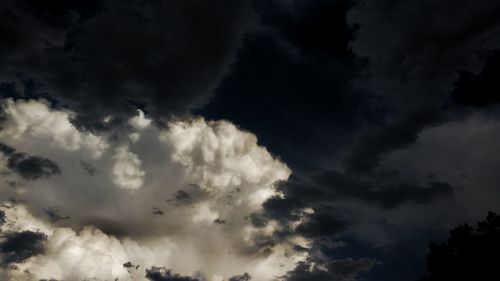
(127, 172)
(193, 185)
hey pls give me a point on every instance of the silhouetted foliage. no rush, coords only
(469, 254)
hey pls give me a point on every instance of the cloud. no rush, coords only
(479, 90)
(127, 172)
(88, 168)
(29, 167)
(298, 47)
(321, 205)
(337, 270)
(55, 216)
(155, 54)
(2, 218)
(384, 195)
(244, 277)
(413, 70)
(77, 256)
(18, 246)
(206, 178)
(221, 158)
(35, 120)
(32, 167)
(139, 121)
(367, 151)
(162, 274)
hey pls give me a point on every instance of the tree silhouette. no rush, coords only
(469, 254)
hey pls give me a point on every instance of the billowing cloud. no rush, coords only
(206, 178)
(102, 69)
(77, 256)
(35, 122)
(221, 158)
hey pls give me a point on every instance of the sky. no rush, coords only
(263, 140)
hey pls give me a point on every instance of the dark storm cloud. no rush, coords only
(328, 187)
(379, 141)
(323, 90)
(323, 106)
(327, 194)
(219, 221)
(30, 167)
(158, 211)
(482, 89)
(2, 218)
(88, 168)
(335, 270)
(182, 196)
(5, 149)
(108, 57)
(18, 246)
(416, 51)
(295, 71)
(55, 216)
(381, 194)
(244, 277)
(325, 222)
(162, 274)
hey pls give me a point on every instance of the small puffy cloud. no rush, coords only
(127, 172)
(35, 120)
(139, 121)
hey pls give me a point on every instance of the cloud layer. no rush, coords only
(90, 55)
(177, 198)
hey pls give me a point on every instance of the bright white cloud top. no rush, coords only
(177, 198)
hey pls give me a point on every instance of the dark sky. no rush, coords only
(322, 139)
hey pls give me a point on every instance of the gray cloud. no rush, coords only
(29, 167)
(32, 167)
(18, 246)
(322, 191)
(88, 168)
(107, 57)
(334, 270)
(163, 274)
(244, 277)
(382, 194)
(416, 52)
(55, 216)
